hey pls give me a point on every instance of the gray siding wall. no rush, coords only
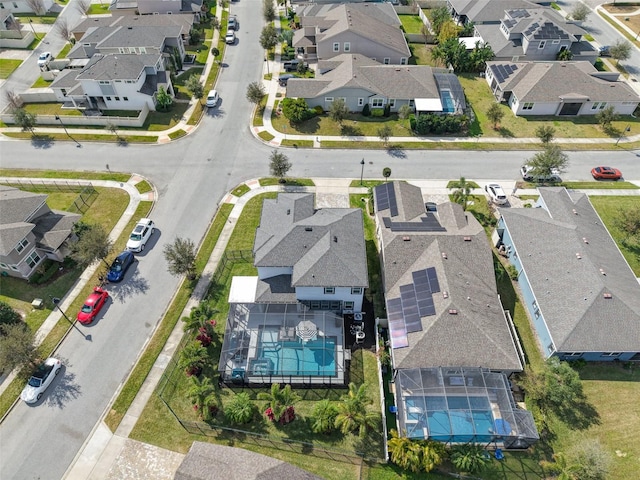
(359, 45)
(352, 98)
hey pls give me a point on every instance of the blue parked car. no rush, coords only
(119, 266)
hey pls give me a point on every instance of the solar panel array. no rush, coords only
(416, 301)
(386, 198)
(428, 223)
(503, 71)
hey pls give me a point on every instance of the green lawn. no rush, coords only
(411, 23)
(240, 190)
(480, 98)
(143, 187)
(7, 67)
(41, 83)
(421, 54)
(354, 125)
(298, 182)
(24, 172)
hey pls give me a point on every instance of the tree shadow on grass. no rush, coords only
(350, 131)
(308, 126)
(505, 132)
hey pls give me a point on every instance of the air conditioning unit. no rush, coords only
(357, 317)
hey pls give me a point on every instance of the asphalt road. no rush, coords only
(604, 33)
(192, 175)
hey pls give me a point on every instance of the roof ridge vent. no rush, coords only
(444, 255)
(574, 211)
(288, 211)
(467, 239)
(578, 256)
(608, 296)
(445, 294)
(453, 311)
(602, 272)
(308, 229)
(406, 238)
(584, 239)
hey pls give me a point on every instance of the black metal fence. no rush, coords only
(85, 190)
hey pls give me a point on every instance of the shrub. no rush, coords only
(387, 110)
(366, 110)
(412, 122)
(318, 110)
(8, 315)
(377, 112)
(296, 109)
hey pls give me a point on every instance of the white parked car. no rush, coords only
(212, 98)
(527, 176)
(230, 38)
(140, 235)
(40, 380)
(496, 194)
(44, 59)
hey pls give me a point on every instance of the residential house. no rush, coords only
(369, 29)
(285, 324)
(31, 232)
(449, 333)
(581, 294)
(361, 81)
(183, 21)
(115, 81)
(559, 88)
(25, 6)
(156, 7)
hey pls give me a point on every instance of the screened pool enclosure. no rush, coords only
(461, 405)
(282, 343)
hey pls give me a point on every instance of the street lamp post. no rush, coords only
(65, 131)
(56, 302)
(627, 129)
(34, 30)
(361, 170)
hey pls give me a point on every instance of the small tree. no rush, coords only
(279, 165)
(580, 12)
(215, 52)
(8, 316)
(439, 16)
(255, 92)
(545, 133)
(469, 458)
(338, 110)
(629, 224)
(93, 244)
(200, 391)
(544, 164)
(606, 117)
(193, 358)
(324, 417)
(296, 110)
(495, 114)
(620, 51)
(62, 29)
(181, 257)
(25, 120)
(195, 87)
(448, 30)
(163, 99)
(461, 194)
(240, 409)
(268, 37)
(280, 403)
(268, 11)
(384, 133)
(16, 346)
(564, 55)
(301, 68)
(590, 460)
(82, 6)
(386, 173)
(404, 112)
(353, 414)
(37, 6)
(13, 99)
(113, 128)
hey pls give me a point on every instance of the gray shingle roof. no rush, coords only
(207, 460)
(549, 81)
(358, 71)
(276, 289)
(479, 11)
(117, 66)
(478, 335)
(11, 234)
(53, 228)
(325, 247)
(570, 291)
(18, 205)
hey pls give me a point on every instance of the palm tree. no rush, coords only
(433, 454)
(280, 403)
(193, 358)
(199, 393)
(469, 458)
(324, 417)
(240, 409)
(352, 411)
(201, 321)
(461, 194)
(402, 452)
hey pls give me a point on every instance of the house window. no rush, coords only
(329, 290)
(121, 50)
(386, 60)
(14, 268)
(328, 99)
(347, 46)
(335, 306)
(349, 305)
(33, 259)
(143, 49)
(356, 291)
(377, 102)
(336, 47)
(117, 99)
(403, 61)
(108, 99)
(125, 99)
(412, 103)
(324, 305)
(542, 44)
(104, 82)
(22, 244)
(4, 266)
(611, 354)
(314, 305)
(555, 42)
(573, 354)
(64, 91)
(128, 81)
(527, 106)
(550, 348)
(392, 103)
(360, 102)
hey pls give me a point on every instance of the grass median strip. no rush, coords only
(23, 172)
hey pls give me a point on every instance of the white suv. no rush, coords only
(525, 171)
(140, 235)
(496, 193)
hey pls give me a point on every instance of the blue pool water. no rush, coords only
(448, 105)
(312, 358)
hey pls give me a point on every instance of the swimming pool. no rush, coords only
(448, 105)
(312, 358)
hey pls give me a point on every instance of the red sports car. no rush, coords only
(606, 173)
(92, 305)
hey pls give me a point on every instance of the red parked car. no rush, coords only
(606, 173)
(92, 305)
